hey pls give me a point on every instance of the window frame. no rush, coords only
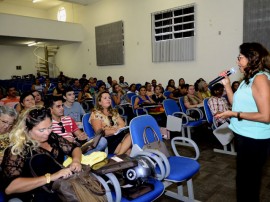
(62, 14)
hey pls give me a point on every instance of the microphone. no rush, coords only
(219, 78)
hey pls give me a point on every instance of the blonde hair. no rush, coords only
(19, 135)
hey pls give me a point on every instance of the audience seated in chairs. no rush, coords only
(153, 84)
(149, 90)
(8, 117)
(132, 90)
(158, 97)
(171, 85)
(12, 97)
(83, 80)
(120, 98)
(149, 105)
(118, 95)
(142, 99)
(93, 86)
(84, 94)
(76, 86)
(86, 99)
(123, 84)
(105, 118)
(48, 88)
(197, 83)
(218, 104)
(27, 100)
(100, 88)
(181, 82)
(235, 86)
(66, 127)
(71, 107)
(203, 91)
(109, 84)
(38, 98)
(59, 89)
(180, 91)
(37, 86)
(192, 100)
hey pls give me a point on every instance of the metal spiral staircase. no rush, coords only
(46, 65)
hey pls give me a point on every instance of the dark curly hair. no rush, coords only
(258, 59)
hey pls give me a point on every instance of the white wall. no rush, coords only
(214, 52)
(12, 56)
(22, 10)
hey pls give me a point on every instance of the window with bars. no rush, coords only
(173, 28)
(174, 24)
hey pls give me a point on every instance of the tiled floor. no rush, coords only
(215, 181)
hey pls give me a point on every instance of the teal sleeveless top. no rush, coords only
(243, 101)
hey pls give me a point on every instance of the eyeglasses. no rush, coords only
(111, 121)
(63, 130)
(239, 57)
(6, 123)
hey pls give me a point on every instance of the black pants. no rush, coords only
(251, 157)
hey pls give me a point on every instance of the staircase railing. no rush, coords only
(43, 65)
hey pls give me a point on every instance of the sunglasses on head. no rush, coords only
(63, 128)
(35, 113)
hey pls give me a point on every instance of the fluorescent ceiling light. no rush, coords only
(35, 1)
(32, 43)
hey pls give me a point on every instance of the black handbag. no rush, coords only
(114, 164)
(136, 191)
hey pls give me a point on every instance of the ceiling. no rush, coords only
(40, 4)
(45, 4)
(22, 41)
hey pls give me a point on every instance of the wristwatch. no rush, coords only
(238, 116)
(48, 178)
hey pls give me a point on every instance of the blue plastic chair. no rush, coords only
(171, 108)
(87, 127)
(138, 111)
(129, 95)
(138, 85)
(208, 114)
(167, 94)
(2, 197)
(180, 169)
(228, 148)
(189, 111)
(117, 195)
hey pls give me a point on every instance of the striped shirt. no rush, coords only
(65, 128)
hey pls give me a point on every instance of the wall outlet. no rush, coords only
(18, 67)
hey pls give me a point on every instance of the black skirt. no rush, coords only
(114, 141)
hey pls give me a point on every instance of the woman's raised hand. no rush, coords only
(226, 79)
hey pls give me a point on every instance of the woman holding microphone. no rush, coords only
(250, 118)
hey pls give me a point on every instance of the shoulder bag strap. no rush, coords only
(145, 136)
